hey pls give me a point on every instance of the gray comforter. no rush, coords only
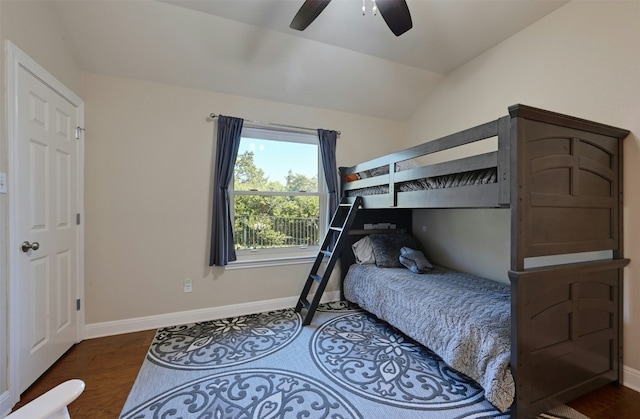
(463, 318)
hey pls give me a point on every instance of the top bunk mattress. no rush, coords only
(463, 318)
(474, 177)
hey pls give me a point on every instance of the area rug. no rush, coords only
(346, 364)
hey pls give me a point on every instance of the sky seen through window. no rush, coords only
(276, 158)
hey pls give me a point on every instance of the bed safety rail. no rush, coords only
(484, 195)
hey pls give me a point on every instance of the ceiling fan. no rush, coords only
(394, 12)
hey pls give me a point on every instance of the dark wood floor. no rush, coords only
(109, 366)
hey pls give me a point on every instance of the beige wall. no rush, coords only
(149, 157)
(583, 60)
(31, 26)
(4, 226)
(149, 153)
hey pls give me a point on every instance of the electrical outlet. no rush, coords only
(3, 182)
(188, 285)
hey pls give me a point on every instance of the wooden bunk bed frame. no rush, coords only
(561, 177)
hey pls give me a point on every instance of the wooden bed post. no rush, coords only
(516, 131)
(516, 134)
(504, 162)
(619, 254)
(393, 194)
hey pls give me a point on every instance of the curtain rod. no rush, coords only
(213, 116)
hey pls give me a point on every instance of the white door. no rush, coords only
(45, 236)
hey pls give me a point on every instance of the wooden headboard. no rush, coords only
(567, 187)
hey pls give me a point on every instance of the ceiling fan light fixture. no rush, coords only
(374, 8)
(394, 12)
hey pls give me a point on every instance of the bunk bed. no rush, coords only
(561, 179)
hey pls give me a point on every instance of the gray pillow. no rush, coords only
(414, 260)
(386, 248)
(363, 252)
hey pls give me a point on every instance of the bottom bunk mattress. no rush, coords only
(463, 318)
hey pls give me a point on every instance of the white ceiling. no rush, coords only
(342, 61)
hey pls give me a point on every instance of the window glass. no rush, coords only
(271, 165)
(277, 198)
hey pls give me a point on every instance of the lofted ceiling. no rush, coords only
(343, 61)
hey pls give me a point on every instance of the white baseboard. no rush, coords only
(96, 330)
(631, 378)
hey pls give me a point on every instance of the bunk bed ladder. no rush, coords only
(330, 250)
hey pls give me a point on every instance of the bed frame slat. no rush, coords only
(470, 196)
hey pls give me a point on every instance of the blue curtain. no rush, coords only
(328, 139)
(228, 142)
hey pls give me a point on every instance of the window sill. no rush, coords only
(275, 261)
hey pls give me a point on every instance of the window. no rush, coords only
(278, 195)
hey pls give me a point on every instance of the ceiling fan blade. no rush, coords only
(308, 12)
(396, 14)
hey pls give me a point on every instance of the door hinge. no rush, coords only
(78, 219)
(78, 132)
(78, 304)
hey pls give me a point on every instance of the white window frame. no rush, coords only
(284, 255)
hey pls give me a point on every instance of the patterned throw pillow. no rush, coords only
(386, 248)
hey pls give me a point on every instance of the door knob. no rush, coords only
(26, 246)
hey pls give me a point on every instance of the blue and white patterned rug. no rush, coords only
(346, 364)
